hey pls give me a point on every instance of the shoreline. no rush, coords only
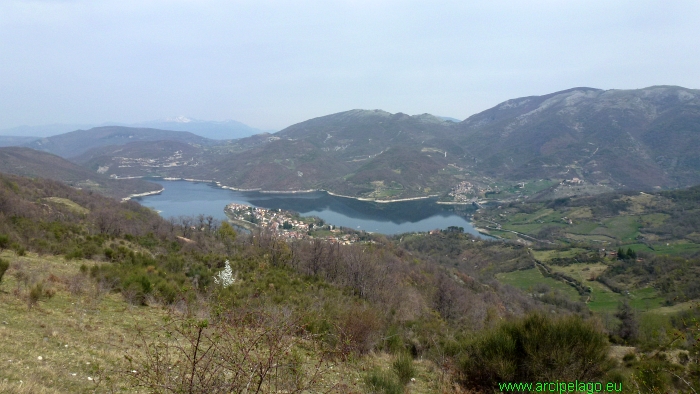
(259, 190)
(151, 193)
(380, 201)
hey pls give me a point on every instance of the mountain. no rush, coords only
(139, 158)
(449, 119)
(350, 153)
(223, 130)
(43, 131)
(642, 138)
(597, 140)
(35, 164)
(10, 140)
(217, 130)
(79, 141)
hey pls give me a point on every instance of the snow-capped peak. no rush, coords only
(179, 119)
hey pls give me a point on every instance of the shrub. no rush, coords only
(629, 323)
(358, 330)
(75, 253)
(382, 382)
(404, 369)
(536, 348)
(241, 352)
(167, 291)
(19, 249)
(35, 294)
(4, 265)
(76, 284)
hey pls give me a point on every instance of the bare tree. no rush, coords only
(250, 352)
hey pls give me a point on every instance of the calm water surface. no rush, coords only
(192, 198)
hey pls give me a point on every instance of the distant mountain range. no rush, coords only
(79, 141)
(8, 140)
(224, 130)
(218, 130)
(610, 139)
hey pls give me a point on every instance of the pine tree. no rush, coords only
(621, 254)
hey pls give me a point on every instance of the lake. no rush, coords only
(194, 198)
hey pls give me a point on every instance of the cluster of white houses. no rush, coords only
(285, 223)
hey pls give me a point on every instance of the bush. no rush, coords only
(404, 369)
(238, 352)
(358, 330)
(19, 249)
(4, 265)
(536, 348)
(382, 382)
(38, 292)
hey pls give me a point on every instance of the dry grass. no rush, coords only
(67, 343)
(582, 272)
(69, 203)
(82, 336)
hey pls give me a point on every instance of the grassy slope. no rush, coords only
(82, 338)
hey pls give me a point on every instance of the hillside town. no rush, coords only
(288, 224)
(174, 160)
(464, 192)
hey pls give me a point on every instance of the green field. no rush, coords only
(601, 299)
(624, 228)
(582, 272)
(582, 228)
(549, 254)
(527, 279)
(677, 247)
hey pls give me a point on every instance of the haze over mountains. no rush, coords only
(77, 142)
(218, 130)
(643, 139)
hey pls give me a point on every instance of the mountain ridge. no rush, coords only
(77, 142)
(226, 129)
(31, 163)
(605, 139)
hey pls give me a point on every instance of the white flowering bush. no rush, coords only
(225, 276)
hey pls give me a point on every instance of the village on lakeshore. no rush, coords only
(289, 224)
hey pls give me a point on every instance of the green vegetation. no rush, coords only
(535, 349)
(531, 280)
(664, 223)
(193, 306)
(4, 265)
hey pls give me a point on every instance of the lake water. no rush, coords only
(193, 198)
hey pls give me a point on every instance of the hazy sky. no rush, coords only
(274, 63)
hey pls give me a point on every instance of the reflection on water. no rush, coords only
(188, 198)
